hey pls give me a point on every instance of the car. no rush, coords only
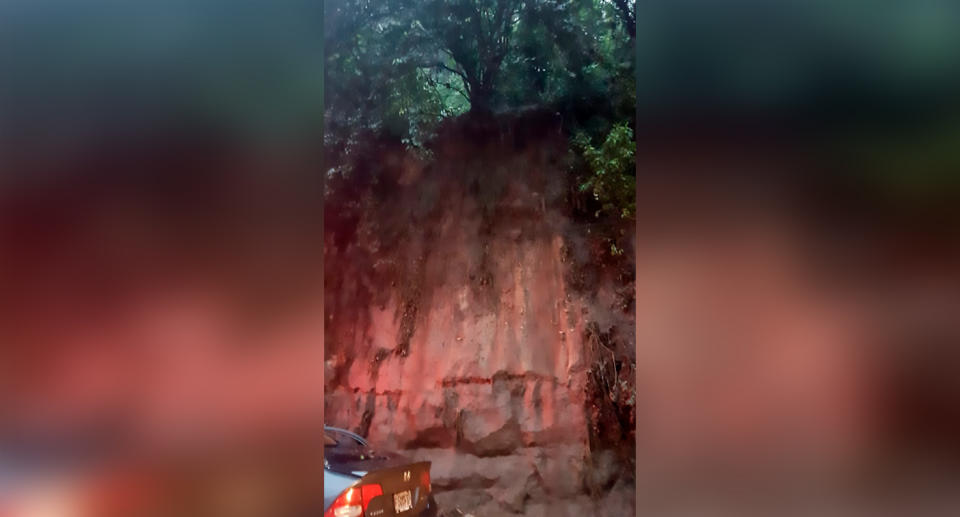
(359, 481)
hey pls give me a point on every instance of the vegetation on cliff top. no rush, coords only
(395, 71)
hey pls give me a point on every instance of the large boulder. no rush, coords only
(489, 432)
(454, 470)
(561, 469)
(513, 496)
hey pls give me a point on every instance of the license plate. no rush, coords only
(402, 501)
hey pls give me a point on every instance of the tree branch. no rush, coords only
(452, 70)
(449, 85)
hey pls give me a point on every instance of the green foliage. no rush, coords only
(398, 68)
(611, 177)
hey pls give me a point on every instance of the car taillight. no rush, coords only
(354, 501)
(346, 505)
(425, 479)
(368, 492)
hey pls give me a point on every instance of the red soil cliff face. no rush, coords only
(451, 322)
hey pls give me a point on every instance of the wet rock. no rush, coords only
(489, 432)
(452, 469)
(508, 470)
(386, 430)
(467, 500)
(513, 496)
(572, 507)
(603, 470)
(329, 374)
(343, 408)
(550, 414)
(363, 429)
(560, 468)
(621, 500)
(501, 442)
(534, 487)
(529, 480)
(492, 509)
(448, 468)
(436, 436)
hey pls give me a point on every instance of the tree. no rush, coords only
(473, 38)
(397, 69)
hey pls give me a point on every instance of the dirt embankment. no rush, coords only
(467, 319)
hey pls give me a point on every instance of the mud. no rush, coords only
(452, 324)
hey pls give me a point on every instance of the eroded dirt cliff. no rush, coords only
(472, 320)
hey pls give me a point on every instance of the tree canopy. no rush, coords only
(397, 69)
(400, 67)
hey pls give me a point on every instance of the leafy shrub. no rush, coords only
(611, 177)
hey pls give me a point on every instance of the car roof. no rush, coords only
(355, 436)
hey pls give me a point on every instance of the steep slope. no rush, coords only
(459, 324)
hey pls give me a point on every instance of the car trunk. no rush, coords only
(357, 461)
(406, 490)
(405, 485)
